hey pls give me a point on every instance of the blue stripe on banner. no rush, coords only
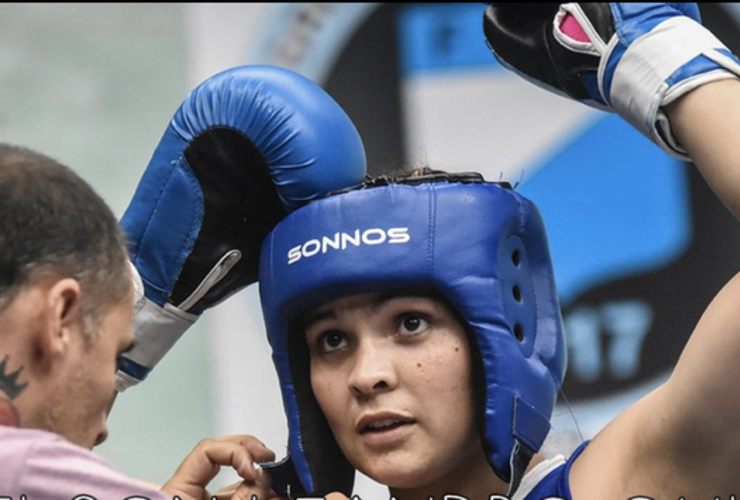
(614, 205)
(132, 368)
(442, 36)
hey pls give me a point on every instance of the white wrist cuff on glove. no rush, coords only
(640, 85)
(157, 329)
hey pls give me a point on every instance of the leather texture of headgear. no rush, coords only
(481, 245)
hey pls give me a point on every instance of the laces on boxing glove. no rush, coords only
(158, 328)
(219, 271)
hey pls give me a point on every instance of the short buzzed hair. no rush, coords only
(51, 220)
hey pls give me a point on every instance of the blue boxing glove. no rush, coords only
(630, 58)
(246, 147)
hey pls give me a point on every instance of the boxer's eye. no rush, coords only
(331, 340)
(412, 324)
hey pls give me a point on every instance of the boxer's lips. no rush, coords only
(382, 422)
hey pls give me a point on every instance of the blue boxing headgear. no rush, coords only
(480, 245)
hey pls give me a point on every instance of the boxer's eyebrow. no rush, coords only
(381, 300)
(314, 317)
(386, 297)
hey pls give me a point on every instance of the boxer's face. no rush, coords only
(392, 375)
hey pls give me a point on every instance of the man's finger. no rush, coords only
(259, 451)
(247, 490)
(256, 448)
(204, 462)
(336, 496)
(226, 492)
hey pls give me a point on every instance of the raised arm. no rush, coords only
(707, 123)
(695, 414)
(675, 82)
(682, 439)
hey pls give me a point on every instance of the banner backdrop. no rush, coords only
(639, 242)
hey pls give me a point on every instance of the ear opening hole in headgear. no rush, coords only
(517, 293)
(519, 332)
(515, 258)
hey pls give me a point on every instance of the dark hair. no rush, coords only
(52, 221)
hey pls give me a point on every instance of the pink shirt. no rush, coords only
(44, 466)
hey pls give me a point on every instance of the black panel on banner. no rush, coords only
(366, 82)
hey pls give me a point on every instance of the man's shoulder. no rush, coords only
(20, 433)
(18, 442)
(42, 465)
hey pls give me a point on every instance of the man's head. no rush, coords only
(53, 222)
(480, 246)
(65, 297)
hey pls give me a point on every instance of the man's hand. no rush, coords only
(239, 452)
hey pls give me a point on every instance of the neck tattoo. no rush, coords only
(9, 381)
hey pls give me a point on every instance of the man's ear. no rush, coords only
(63, 317)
